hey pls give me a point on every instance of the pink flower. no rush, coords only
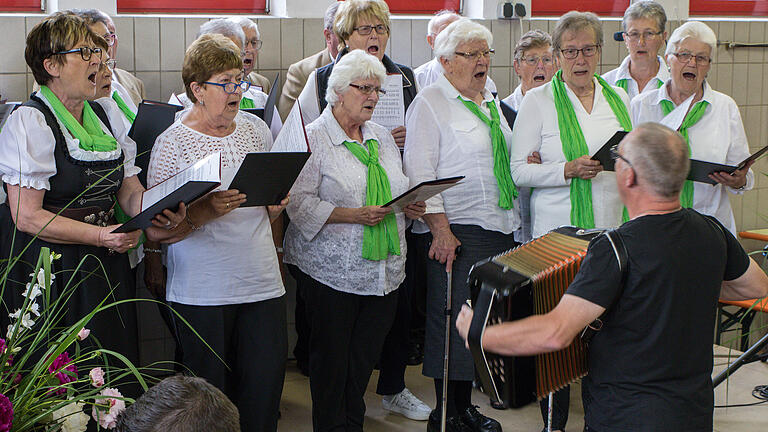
(83, 333)
(65, 370)
(105, 411)
(6, 413)
(97, 377)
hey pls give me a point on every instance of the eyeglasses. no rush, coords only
(636, 35)
(587, 51)
(615, 155)
(111, 63)
(85, 52)
(255, 42)
(110, 37)
(367, 29)
(476, 55)
(368, 89)
(534, 61)
(231, 87)
(686, 57)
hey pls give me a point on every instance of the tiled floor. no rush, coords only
(296, 404)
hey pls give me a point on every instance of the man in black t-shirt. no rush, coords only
(650, 366)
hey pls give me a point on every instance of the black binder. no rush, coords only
(266, 178)
(604, 154)
(152, 119)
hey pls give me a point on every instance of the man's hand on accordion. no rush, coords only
(463, 321)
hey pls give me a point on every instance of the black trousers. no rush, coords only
(560, 402)
(252, 339)
(347, 332)
(301, 349)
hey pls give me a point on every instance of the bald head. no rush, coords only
(659, 156)
(438, 22)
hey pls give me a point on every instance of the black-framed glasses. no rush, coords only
(685, 57)
(615, 155)
(587, 51)
(255, 42)
(476, 55)
(231, 87)
(368, 89)
(646, 35)
(534, 61)
(85, 52)
(365, 30)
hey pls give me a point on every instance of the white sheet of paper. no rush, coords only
(292, 137)
(174, 100)
(390, 111)
(206, 169)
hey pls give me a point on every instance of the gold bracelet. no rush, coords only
(191, 224)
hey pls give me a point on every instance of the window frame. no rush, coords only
(399, 7)
(546, 8)
(193, 6)
(22, 6)
(718, 8)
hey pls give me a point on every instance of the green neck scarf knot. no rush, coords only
(693, 116)
(575, 146)
(382, 239)
(247, 103)
(89, 134)
(501, 169)
(123, 107)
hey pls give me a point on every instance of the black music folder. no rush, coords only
(258, 112)
(266, 113)
(604, 154)
(422, 192)
(152, 119)
(266, 178)
(755, 156)
(509, 114)
(700, 171)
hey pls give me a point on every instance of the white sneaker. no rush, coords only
(407, 404)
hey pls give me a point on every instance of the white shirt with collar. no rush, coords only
(334, 177)
(515, 99)
(430, 71)
(717, 137)
(536, 129)
(622, 72)
(445, 139)
(123, 93)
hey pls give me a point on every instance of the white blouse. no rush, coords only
(717, 137)
(622, 72)
(27, 145)
(231, 259)
(123, 93)
(445, 139)
(333, 177)
(536, 129)
(430, 71)
(515, 99)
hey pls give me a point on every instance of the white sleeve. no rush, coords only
(738, 147)
(421, 154)
(526, 139)
(310, 108)
(26, 150)
(120, 132)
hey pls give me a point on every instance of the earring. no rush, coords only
(202, 103)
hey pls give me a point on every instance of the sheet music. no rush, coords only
(675, 119)
(390, 111)
(292, 137)
(174, 100)
(206, 169)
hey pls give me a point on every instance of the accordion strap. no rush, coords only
(622, 259)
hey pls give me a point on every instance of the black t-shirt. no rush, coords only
(650, 367)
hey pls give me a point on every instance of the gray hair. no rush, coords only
(457, 33)
(330, 15)
(645, 9)
(574, 21)
(180, 403)
(246, 23)
(439, 15)
(357, 64)
(660, 157)
(692, 29)
(224, 27)
(92, 16)
(532, 39)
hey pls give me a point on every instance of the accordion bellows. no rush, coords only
(529, 279)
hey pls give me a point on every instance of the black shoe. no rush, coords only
(478, 422)
(452, 424)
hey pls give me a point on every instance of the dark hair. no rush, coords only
(180, 403)
(55, 33)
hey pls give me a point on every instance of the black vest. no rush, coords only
(409, 82)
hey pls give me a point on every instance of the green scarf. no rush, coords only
(130, 115)
(383, 238)
(624, 83)
(693, 116)
(247, 103)
(91, 136)
(501, 170)
(574, 145)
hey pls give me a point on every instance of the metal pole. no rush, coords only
(444, 404)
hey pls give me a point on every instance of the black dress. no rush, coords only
(116, 327)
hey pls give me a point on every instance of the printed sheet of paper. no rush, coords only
(204, 170)
(293, 136)
(390, 111)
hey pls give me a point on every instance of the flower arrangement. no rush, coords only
(42, 381)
